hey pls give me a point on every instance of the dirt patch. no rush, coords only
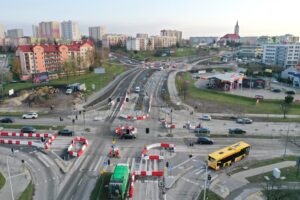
(206, 106)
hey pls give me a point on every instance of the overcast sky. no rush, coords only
(193, 17)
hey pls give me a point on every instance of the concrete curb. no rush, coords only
(178, 176)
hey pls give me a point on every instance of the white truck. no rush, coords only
(75, 87)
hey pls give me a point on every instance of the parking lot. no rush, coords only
(266, 93)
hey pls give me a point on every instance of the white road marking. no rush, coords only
(189, 181)
(80, 182)
(98, 163)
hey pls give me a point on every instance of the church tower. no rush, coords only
(237, 28)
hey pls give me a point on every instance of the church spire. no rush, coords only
(237, 28)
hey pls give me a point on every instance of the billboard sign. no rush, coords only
(99, 70)
(40, 77)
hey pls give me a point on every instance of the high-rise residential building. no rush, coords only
(164, 41)
(15, 33)
(286, 55)
(96, 33)
(142, 35)
(172, 33)
(133, 44)
(237, 29)
(35, 31)
(146, 44)
(110, 40)
(70, 31)
(2, 32)
(50, 30)
(49, 58)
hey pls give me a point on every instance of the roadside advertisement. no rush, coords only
(40, 77)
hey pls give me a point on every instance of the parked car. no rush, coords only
(66, 132)
(7, 120)
(128, 136)
(28, 129)
(31, 115)
(244, 121)
(276, 90)
(236, 131)
(290, 92)
(201, 130)
(205, 117)
(204, 140)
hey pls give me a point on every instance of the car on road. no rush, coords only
(137, 89)
(244, 121)
(290, 92)
(7, 120)
(236, 131)
(28, 129)
(276, 90)
(66, 132)
(205, 117)
(201, 130)
(128, 136)
(204, 140)
(69, 91)
(31, 115)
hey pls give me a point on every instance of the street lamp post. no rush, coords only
(206, 176)
(84, 119)
(286, 141)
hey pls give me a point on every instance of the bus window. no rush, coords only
(211, 159)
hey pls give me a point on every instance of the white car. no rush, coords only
(69, 91)
(31, 115)
(137, 89)
(205, 117)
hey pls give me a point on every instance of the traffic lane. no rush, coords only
(146, 190)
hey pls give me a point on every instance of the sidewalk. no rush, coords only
(241, 176)
(237, 186)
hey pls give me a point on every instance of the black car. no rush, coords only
(28, 129)
(65, 132)
(276, 90)
(128, 136)
(290, 92)
(204, 140)
(7, 120)
(236, 131)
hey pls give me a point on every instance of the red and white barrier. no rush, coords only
(21, 142)
(162, 145)
(49, 142)
(27, 142)
(149, 173)
(30, 135)
(83, 147)
(131, 189)
(152, 157)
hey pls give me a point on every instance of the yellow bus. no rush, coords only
(226, 156)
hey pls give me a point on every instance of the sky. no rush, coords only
(192, 17)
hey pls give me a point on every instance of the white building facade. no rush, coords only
(96, 33)
(286, 55)
(70, 31)
(133, 44)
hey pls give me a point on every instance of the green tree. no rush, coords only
(16, 67)
(68, 67)
(289, 99)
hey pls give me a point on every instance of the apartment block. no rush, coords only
(133, 44)
(49, 58)
(70, 31)
(164, 41)
(286, 55)
(2, 32)
(50, 30)
(96, 33)
(172, 33)
(110, 40)
(15, 33)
